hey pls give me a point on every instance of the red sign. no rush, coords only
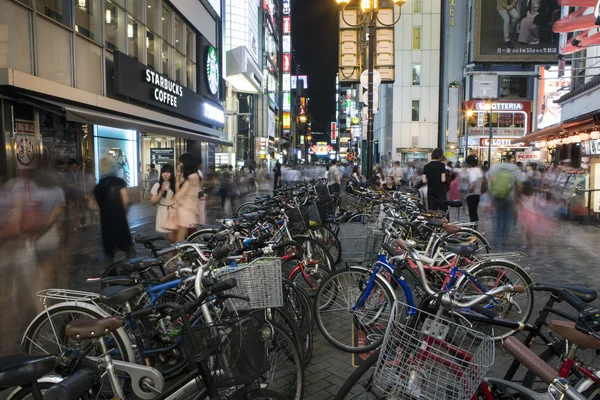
(333, 132)
(287, 63)
(287, 24)
(500, 142)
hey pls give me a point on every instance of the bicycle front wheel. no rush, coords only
(360, 384)
(346, 325)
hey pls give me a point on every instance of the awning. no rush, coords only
(582, 124)
(539, 134)
(99, 118)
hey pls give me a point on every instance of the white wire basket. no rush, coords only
(360, 242)
(351, 202)
(259, 280)
(428, 357)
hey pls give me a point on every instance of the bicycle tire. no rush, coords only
(195, 237)
(245, 208)
(361, 377)
(304, 339)
(518, 276)
(26, 393)
(295, 390)
(331, 241)
(438, 243)
(355, 280)
(315, 246)
(119, 336)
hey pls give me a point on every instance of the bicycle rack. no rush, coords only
(67, 295)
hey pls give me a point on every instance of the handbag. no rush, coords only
(171, 223)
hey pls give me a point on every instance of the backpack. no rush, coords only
(501, 184)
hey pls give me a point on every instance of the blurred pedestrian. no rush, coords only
(397, 174)
(202, 194)
(113, 202)
(225, 181)
(333, 178)
(502, 189)
(277, 176)
(475, 177)
(528, 215)
(186, 198)
(73, 180)
(162, 193)
(251, 180)
(152, 176)
(434, 176)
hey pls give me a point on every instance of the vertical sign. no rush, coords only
(333, 132)
(287, 25)
(286, 7)
(26, 144)
(287, 62)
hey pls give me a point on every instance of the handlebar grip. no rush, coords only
(168, 277)
(221, 252)
(530, 360)
(165, 251)
(391, 251)
(71, 388)
(519, 289)
(222, 286)
(573, 300)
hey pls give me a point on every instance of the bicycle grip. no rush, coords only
(530, 360)
(71, 388)
(168, 277)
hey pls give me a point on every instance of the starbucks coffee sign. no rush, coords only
(212, 70)
(166, 91)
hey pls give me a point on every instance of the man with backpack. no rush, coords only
(502, 189)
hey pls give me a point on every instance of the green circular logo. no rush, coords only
(212, 70)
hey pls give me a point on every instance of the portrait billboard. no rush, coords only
(551, 89)
(515, 30)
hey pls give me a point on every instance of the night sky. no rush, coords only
(315, 42)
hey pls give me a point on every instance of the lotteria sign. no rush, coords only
(166, 91)
(136, 81)
(483, 106)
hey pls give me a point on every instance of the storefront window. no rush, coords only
(88, 62)
(179, 67)
(136, 7)
(166, 25)
(416, 105)
(114, 27)
(88, 19)
(416, 74)
(135, 31)
(191, 46)
(514, 87)
(191, 73)
(179, 31)
(505, 120)
(121, 144)
(153, 49)
(519, 120)
(58, 10)
(59, 139)
(54, 52)
(166, 57)
(16, 39)
(152, 15)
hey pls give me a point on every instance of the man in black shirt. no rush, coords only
(434, 175)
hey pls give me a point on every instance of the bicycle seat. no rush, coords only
(116, 295)
(145, 239)
(583, 292)
(453, 203)
(450, 228)
(138, 264)
(24, 369)
(567, 330)
(87, 328)
(462, 250)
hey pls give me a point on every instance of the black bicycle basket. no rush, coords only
(234, 348)
(298, 219)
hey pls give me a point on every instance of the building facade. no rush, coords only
(137, 79)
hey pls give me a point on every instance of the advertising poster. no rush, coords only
(515, 30)
(26, 144)
(551, 89)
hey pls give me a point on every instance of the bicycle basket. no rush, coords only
(351, 202)
(360, 242)
(428, 357)
(259, 280)
(326, 208)
(234, 348)
(298, 218)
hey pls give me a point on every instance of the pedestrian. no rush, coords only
(234, 188)
(434, 176)
(162, 193)
(475, 176)
(225, 180)
(113, 202)
(327, 166)
(502, 189)
(397, 174)
(152, 176)
(528, 216)
(73, 180)
(277, 176)
(333, 178)
(390, 185)
(186, 198)
(379, 175)
(202, 196)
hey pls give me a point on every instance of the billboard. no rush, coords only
(509, 30)
(551, 89)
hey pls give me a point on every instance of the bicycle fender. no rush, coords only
(385, 282)
(52, 379)
(88, 306)
(487, 262)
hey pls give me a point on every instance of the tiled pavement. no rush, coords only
(569, 254)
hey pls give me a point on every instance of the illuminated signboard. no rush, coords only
(301, 77)
(333, 132)
(287, 101)
(287, 120)
(287, 24)
(286, 7)
(287, 82)
(287, 44)
(287, 62)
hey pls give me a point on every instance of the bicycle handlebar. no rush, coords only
(72, 387)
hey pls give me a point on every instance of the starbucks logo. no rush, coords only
(212, 70)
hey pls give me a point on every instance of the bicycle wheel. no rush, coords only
(441, 257)
(246, 208)
(299, 312)
(304, 340)
(510, 306)
(330, 240)
(339, 323)
(286, 374)
(315, 251)
(46, 334)
(26, 393)
(203, 236)
(360, 384)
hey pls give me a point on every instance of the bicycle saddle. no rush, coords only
(82, 329)
(22, 369)
(138, 264)
(583, 292)
(453, 203)
(567, 330)
(116, 295)
(145, 239)
(461, 249)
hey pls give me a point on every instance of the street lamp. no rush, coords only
(303, 119)
(370, 9)
(488, 107)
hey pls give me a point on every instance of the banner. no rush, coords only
(26, 144)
